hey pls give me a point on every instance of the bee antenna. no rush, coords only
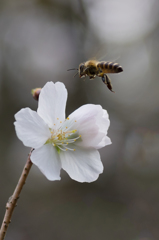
(72, 69)
(75, 74)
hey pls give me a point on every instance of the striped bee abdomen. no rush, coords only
(110, 67)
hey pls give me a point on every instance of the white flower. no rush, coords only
(69, 143)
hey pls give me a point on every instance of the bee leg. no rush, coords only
(83, 76)
(107, 81)
(91, 77)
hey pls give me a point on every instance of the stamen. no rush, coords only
(61, 148)
(75, 138)
(62, 137)
(70, 149)
(73, 131)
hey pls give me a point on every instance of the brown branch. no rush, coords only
(12, 202)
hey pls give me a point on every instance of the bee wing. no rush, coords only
(105, 53)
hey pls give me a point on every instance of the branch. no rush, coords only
(12, 202)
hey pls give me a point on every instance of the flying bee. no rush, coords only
(93, 68)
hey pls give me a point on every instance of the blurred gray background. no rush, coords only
(39, 41)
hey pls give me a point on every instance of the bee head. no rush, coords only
(82, 70)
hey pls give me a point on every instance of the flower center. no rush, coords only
(62, 137)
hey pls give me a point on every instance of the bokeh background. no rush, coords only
(39, 41)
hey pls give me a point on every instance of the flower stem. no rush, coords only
(12, 202)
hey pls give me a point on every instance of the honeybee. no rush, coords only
(93, 68)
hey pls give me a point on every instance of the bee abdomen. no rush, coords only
(119, 69)
(110, 67)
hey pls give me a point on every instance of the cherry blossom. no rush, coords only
(70, 143)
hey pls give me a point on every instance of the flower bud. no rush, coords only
(35, 93)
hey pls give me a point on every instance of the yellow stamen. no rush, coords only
(62, 138)
(73, 131)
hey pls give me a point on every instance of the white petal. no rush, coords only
(52, 103)
(104, 142)
(92, 123)
(82, 165)
(30, 128)
(47, 160)
(103, 124)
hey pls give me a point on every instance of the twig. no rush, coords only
(12, 202)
